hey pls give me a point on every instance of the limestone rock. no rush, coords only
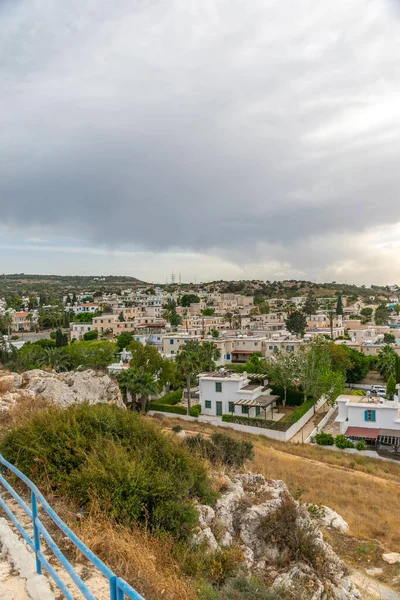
(74, 387)
(206, 515)
(374, 572)
(327, 517)
(391, 558)
(240, 519)
(62, 389)
(205, 535)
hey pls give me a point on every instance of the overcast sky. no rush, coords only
(212, 138)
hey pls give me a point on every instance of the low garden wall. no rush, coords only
(286, 432)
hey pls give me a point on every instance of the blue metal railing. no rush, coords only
(119, 589)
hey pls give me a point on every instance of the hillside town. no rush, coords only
(253, 346)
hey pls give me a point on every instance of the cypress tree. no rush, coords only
(339, 306)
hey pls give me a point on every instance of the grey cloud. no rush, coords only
(201, 125)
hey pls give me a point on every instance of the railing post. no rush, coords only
(36, 535)
(113, 587)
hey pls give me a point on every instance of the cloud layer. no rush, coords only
(266, 134)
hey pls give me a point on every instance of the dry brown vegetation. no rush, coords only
(364, 491)
(145, 561)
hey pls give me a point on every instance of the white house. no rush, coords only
(88, 307)
(78, 330)
(225, 392)
(370, 418)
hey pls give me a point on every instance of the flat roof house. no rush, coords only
(375, 420)
(225, 392)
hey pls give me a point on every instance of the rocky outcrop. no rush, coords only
(278, 537)
(62, 389)
(328, 518)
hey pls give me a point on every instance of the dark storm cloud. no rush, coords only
(200, 124)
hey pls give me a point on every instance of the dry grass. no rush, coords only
(144, 561)
(6, 384)
(364, 491)
(24, 408)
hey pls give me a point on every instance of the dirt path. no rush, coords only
(372, 589)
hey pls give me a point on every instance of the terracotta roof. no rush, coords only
(362, 432)
(20, 314)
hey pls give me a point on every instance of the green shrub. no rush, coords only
(242, 588)
(171, 398)
(107, 457)
(361, 445)
(254, 422)
(177, 429)
(294, 397)
(324, 439)
(283, 527)
(195, 410)
(282, 425)
(91, 335)
(221, 448)
(358, 393)
(177, 410)
(342, 443)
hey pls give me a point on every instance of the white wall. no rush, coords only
(283, 436)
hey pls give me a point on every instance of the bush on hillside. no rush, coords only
(342, 442)
(241, 588)
(361, 445)
(324, 439)
(221, 448)
(195, 410)
(113, 459)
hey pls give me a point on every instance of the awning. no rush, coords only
(390, 432)
(262, 401)
(362, 432)
(243, 352)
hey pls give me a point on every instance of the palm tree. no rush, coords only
(55, 358)
(139, 384)
(386, 361)
(7, 319)
(189, 362)
(228, 316)
(210, 353)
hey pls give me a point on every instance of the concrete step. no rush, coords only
(18, 577)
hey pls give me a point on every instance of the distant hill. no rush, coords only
(291, 288)
(20, 284)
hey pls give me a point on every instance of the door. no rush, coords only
(219, 409)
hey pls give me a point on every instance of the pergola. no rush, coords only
(263, 402)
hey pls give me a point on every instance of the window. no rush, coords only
(256, 343)
(172, 351)
(218, 386)
(369, 415)
(208, 403)
(231, 407)
(258, 410)
(245, 410)
(171, 341)
(270, 347)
